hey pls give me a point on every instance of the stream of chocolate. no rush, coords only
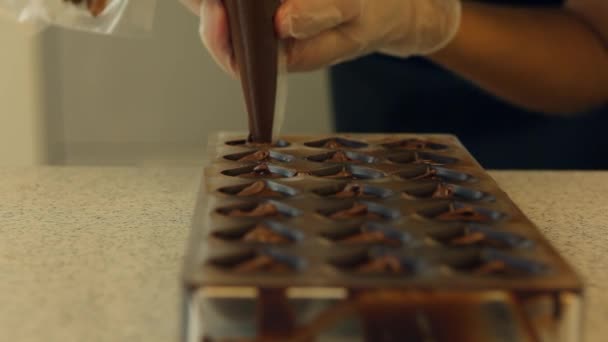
(256, 49)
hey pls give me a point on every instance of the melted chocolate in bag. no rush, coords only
(256, 49)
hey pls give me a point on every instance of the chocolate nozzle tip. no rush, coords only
(256, 47)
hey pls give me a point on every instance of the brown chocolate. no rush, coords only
(333, 143)
(339, 157)
(261, 171)
(259, 189)
(385, 264)
(422, 159)
(429, 173)
(492, 267)
(478, 238)
(343, 173)
(463, 214)
(256, 49)
(261, 263)
(357, 210)
(369, 237)
(468, 239)
(257, 156)
(261, 210)
(246, 143)
(350, 190)
(414, 144)
(96, 7)
(364, 237)
(263, 234)
(443, 191)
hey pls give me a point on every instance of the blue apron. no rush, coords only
(384, 94)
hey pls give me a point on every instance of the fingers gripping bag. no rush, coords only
(115, 17)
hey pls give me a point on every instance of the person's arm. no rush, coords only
(549, 60)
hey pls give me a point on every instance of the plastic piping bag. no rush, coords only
(261, 64)
(113, 17)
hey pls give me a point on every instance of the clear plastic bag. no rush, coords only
(121, 17)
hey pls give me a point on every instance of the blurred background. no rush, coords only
(83, 99)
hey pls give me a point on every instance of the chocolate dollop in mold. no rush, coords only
(414, 144)
(336, 143)
(492, 262)
(262, 170)
(265, 260)
(347, 171)
(261, 188)
(441, 190)
(370, 233)
(353, 190)
(266, 232)
(343, 157)
(479, 235)
(245, 143)
(461, 212)
(414, 157)
(261, 209)
(260, 156)
(377, 261)
(360, 209)
(429, 172)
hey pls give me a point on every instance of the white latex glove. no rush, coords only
(326, 32)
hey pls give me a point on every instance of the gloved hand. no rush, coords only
(330, 31)
(326, 32)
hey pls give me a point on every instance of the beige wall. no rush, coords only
(113, 98)
(22, 124)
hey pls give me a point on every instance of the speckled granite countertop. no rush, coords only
(94, 254)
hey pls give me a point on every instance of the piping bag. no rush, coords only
(257, 50)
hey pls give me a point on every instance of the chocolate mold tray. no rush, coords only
(329, 238)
